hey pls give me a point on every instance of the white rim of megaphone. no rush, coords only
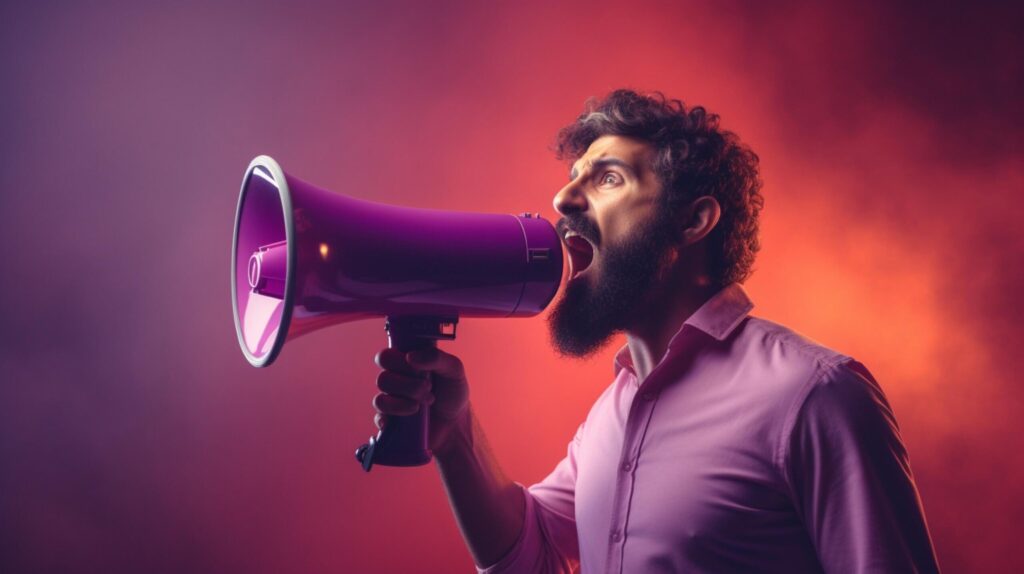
(284, 194)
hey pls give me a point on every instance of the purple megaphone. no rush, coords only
(304, 258)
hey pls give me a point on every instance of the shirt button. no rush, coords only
(616, 536)
(627, 466)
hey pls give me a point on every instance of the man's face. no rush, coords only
(618, 236)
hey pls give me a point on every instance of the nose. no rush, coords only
(570, 199)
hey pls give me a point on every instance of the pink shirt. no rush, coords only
(747, 449)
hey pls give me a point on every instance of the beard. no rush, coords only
(594, 308)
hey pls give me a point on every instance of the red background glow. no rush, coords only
(135, 438)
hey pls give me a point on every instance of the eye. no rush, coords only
(609, 179)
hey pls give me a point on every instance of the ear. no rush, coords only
(704, 214)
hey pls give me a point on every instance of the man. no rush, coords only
(726, 443)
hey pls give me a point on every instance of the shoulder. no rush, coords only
(812, 387)
(786, 345)
(842, 413)
(845, 397)
(775, 362)
(823, 379)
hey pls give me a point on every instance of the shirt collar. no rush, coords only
(718, 317)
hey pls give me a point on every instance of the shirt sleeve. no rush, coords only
(548, 543)
(850, 478)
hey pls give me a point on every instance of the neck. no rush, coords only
(661, 319)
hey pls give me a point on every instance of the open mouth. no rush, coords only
(581, 253)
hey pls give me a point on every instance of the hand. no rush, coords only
(427, 377)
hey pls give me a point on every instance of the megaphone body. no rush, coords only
(304, 258)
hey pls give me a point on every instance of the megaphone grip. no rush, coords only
(402, 442)
(405, 440)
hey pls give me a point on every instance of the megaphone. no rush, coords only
(304, 258)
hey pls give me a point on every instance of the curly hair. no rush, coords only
(694, 158)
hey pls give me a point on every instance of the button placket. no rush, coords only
(636, 427)
(638, 420)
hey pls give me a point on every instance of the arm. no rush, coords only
(851, 480)
(488, 507)
(506, 527)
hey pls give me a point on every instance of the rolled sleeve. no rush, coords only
(548, 542)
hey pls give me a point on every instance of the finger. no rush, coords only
(393, 360)
(415, 388)
(392, 405)
(438, 362)
(380, 420)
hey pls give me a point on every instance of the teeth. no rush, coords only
(569, 234)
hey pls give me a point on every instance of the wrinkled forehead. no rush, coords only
(636, 153)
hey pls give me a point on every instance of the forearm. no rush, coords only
(488, 507)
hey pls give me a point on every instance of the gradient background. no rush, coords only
(135, 438)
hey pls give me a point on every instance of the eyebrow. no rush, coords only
(597, 164)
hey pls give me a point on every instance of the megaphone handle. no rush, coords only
(404, 440)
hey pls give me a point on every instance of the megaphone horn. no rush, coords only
(304, 258)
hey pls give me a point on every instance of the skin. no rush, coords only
(613, 184)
